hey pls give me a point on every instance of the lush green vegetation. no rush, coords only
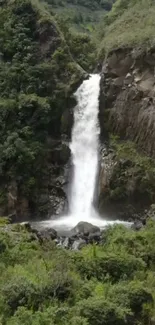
(81, 45)
(81, 15)
(130, 23)
(133, 177)
(37, 76)
(112, 283)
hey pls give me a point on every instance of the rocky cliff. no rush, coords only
(128, 88)
(127, 109)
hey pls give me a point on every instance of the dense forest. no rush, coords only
(38, 73)
(46, 50)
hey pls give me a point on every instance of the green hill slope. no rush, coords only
(130, 23)
(37, 75)
(81, 15)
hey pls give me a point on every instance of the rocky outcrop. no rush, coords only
(123, 192)
(127, 109)
(83, 234)
(127, 101)
(85, 228)
(50, 198)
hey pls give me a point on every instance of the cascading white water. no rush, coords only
(84, 149)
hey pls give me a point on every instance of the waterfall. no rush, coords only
(84, 149)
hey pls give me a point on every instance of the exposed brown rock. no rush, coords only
(127, 101)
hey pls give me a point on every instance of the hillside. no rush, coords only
(37, 76)
(81, 15)
(130, 23)
(127, 103)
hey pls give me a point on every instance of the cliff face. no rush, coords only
(128, 96)
(37, 77)
(127, 109)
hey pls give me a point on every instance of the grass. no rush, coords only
(133, 26)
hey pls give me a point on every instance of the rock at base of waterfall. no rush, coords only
(26, 225)
(45, 233)
(78, 244)
(137, 225)
(52, 233)
(94, 237)
(85, 228)
(67, 242)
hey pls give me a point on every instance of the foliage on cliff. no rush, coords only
(37, 76)
(131, 184)
(81, 15)
(81, 45)
(112, 283)
(130, 23)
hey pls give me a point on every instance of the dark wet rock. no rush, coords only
(137, 225)
(57, 203)
(78, 241)
(94, 237)
(27, 226)
(74, 237)
(59, 242)
(12, 217)
(150, 213)
(67, 120)
(52, 233)
(43, 199)
(60, 155)
(45, 233)
(79, 244)
(50, 198)
(66, 243)
(85, 228)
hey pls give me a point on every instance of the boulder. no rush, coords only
(85, 228)
(137, 225)
(12, 217)
(27, 226)
(66, 243)
(150, 213)
(79, 244)
(94, 237)
(52, 233)
(45, 233)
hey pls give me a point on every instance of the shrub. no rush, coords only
(99, 311)
(134, 296)
(112, 265)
